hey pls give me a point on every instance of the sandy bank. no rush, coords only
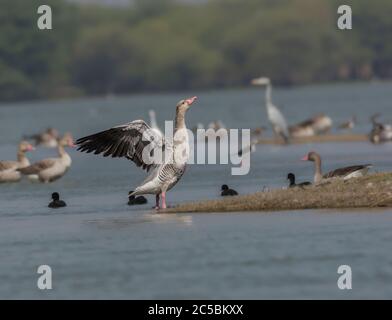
(372, 191)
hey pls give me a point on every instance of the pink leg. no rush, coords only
(163, 200)
(157, 201)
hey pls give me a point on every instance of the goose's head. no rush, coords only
(311, 156)
(52, 132)
(67, 140)
(183, 105)
(24, 146)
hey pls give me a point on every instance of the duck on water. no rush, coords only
(56, 202)
(133, 200)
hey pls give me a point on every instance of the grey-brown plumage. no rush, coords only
(127, 141)
(147, 148)
(343, 173)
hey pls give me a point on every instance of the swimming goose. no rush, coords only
(291, 178)
(228, 192)
(276, 118)
(56, 202)
(344, 173)
(9, 169)
(51, 169)
(48, 138)
(131, 140)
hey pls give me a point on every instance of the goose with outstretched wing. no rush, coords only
(164, 160)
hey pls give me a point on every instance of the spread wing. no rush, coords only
(38, 166)
(128, 140)
(8, 165)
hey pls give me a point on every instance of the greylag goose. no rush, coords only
(51, 169)
(228, 192)
(9, 169)
(131, 139)
(133, 200)
(56, 202)
(275, 117)
(319, 124)
(48, 138)
(343, 173)
(349, 124)
(292, 184)
(380, 132)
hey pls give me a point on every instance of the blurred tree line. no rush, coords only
(161, 45)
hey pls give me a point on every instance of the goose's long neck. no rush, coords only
(181, 139)
(317, 170)
(179, 121)
(64, 156)
(268, 95)
(61, 150)
(22, 159)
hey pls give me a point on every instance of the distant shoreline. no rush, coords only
(112, 96)
(372, 191)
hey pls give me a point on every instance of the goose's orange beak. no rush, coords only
(306, 158)
(30, 148)
(191, 100)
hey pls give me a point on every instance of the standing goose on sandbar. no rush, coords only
(129, 141)
(342, 173)
(276, 118)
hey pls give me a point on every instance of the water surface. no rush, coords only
(98, 247)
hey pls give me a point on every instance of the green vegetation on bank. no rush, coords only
(160, 45)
